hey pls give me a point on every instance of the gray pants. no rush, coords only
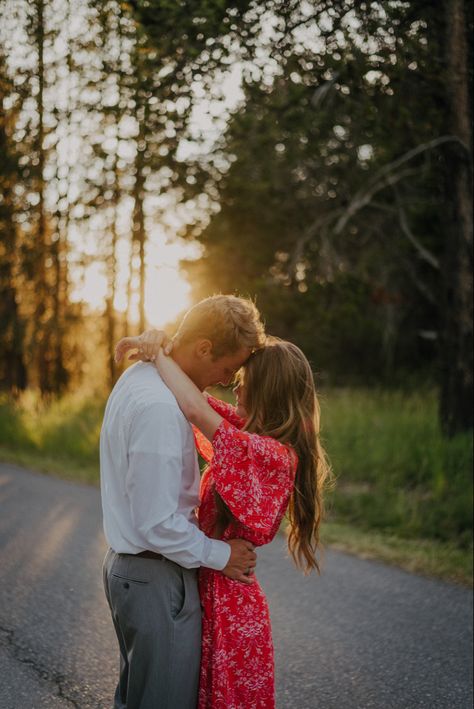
(157, 617)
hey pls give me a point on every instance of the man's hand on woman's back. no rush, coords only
(242, 561)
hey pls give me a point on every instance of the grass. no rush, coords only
(60, 436)
(403, 493)
(395, 472)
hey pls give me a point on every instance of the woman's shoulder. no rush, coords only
(263, 450)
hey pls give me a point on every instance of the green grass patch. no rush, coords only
(395, 472)
(60, 436)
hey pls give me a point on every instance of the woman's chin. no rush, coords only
(240, 411)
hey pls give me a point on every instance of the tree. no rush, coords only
(12, 365)
(338, 175)
(43, 126)
(456, 406)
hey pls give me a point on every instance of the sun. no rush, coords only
(167, 292)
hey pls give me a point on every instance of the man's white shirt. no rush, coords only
(150, 474)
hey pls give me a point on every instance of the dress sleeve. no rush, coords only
(203, 445)
(227, 411)
(254, 476)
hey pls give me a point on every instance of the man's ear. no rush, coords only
(203, 348)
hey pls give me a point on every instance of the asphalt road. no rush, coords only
(363, 635)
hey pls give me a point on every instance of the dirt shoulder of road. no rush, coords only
(421, 556)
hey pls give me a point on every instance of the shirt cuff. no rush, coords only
(216, 554)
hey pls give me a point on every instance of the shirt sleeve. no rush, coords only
(254, 476)
(153, 487)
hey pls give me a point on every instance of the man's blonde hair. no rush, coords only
(229, 322)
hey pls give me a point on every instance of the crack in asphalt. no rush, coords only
(7, 637)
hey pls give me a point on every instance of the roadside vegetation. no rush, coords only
(402, 493)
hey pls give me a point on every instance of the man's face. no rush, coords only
(222, 369)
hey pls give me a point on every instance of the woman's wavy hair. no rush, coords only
(281, 402)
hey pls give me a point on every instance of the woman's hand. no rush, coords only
(147, 344)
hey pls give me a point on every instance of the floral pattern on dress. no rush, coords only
(254, 475)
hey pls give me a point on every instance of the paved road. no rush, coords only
(364, 635)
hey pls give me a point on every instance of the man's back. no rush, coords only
(145, 442)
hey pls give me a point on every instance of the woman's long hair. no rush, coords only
(281, 402)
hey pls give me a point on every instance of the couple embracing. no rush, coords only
(191, 619)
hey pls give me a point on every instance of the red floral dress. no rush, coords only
(254, 475)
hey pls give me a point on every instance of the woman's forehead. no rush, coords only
(236, 360)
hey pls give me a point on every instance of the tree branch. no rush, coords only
(422, 251)
(319, 224)
(422, 287)
(388, 176)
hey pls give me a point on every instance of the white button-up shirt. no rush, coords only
(150, 474)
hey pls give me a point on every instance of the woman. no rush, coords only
(266, 459)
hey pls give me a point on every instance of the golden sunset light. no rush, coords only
(283, 190)
(167, 291)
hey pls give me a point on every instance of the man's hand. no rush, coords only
(242, 561)
(147, 345)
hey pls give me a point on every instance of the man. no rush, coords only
(150, 489)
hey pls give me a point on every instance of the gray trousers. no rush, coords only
(157, 618)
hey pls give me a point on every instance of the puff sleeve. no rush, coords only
(254, 475)
(227, 411)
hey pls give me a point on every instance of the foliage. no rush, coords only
(340, 164)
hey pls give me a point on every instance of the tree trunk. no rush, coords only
(59, 250)
(138, 221)
(127, 330)
(60, 246)
(42, 335)
(139, 231)
(110, 300)
(12, 370)
(456, 402)
(12, 366)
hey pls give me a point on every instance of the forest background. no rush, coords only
(315, 156)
